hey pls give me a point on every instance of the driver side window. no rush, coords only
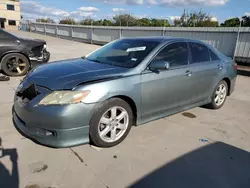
(176, 54)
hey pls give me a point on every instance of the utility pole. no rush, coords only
(120, 28)
(237, 41)
(91, 31)
(164, 27)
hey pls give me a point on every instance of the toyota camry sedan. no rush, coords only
(127, 82)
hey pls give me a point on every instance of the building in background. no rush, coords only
(10, 14)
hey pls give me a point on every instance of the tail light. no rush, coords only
(235, 65)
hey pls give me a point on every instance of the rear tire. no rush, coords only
(219, 96)
(15, 64)
(111, 123)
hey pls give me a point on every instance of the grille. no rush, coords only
(37, 51)
(28, 93)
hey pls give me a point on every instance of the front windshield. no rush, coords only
(124, 53)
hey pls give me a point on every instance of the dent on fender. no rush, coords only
(99, 80)
(97, 89)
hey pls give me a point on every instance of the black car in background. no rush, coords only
(19, 55)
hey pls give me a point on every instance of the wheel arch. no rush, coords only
(228, 81)
(131, 103)
(11, 52)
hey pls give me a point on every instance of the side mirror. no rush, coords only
(159, 65)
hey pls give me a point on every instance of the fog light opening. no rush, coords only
(44, 132)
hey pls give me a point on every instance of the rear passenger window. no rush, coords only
(176, 54)
(213, 56)
(199, 53)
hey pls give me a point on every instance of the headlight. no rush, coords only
(64, 97)
(44, 46)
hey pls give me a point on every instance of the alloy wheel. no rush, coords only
(113, 124)
(16, 65)
(220, 94)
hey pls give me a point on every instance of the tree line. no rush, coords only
(187, 19)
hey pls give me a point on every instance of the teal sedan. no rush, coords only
(98, 98)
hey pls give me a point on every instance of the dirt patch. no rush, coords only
(38, 167)
(220, 130)
(189, 115)
(36, 186)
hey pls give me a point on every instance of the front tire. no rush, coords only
(111, 123)
(15, 64)
(219, 95)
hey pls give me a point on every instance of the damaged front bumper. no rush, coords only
(44, 58)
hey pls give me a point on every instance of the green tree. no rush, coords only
(98, 22)
(101, 22)
(124, 20)
(45, 20)
(107, 22)
(246, 21)
(69, 21)
(232, 22)
(195, 19)
(86, 21)
(143, 22)
(159, 22)
(235, 22)
(177, 23)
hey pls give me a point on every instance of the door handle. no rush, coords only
(188, 73)
(219, 67)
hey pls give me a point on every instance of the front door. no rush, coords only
(163, 92)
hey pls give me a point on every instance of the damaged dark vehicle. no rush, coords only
(19, 55)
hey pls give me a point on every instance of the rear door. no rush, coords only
(206, 68)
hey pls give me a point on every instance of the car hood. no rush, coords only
(32, 42)
(67, 74)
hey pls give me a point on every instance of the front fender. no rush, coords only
(126, 86)
(14, 51)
